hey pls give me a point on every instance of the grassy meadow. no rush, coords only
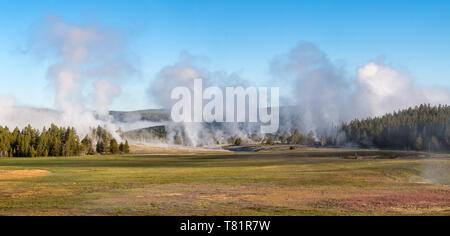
(263, 183)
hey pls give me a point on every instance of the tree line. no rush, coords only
(296, 137)
(422, 128)
(57, 141)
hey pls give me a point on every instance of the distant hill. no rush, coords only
(289, 117)
(158, 115)
(150, 133)
(154, 115)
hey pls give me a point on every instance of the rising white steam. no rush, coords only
(88, 62)
(84, 53)
(83, 58)
(104, 93)
(324, 95)
(318, 94)
(318, 89)
(183, 73)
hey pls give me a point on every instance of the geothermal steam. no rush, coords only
(324, 95)
(83, 58)
(183, 73)
(89, 61)
(318, 93)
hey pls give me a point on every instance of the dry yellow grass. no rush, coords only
(22, 174)
(267, 183)
(166, 149)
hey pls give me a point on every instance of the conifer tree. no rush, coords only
(423, 127)
(114, 147)
(126, 147)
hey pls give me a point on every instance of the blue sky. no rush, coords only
(240, 36)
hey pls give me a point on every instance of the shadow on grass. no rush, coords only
(206, 161)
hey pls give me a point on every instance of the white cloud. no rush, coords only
(382, 89)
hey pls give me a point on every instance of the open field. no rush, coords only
(313, 182)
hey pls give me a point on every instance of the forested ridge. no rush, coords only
(423, 128)
(57, 141)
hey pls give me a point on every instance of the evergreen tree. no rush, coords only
(55, 141)
(126, 147)
(56, 147)
(238, 142)
(423, 127)
(106, 144)
(121, 147)
(310, 140)
(283, 138)
(100, 148)
(114, 147)
(269, 140)
(86, 146)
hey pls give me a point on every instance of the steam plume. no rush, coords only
(325, 95)
(183, 73)
(83, 58)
